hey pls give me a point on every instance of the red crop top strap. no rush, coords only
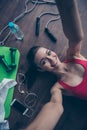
(77, 61)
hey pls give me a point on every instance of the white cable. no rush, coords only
(3, 41)
(30, 99)
(44, 2)
(51, 20)
(20, 80)
(35, 2)
(3, 29)
(17, 18)
(46, 13)
(26, 10)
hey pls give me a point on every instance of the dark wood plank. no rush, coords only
(75, 114)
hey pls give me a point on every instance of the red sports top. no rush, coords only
(81, 89)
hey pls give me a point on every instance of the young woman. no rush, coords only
(73, 71)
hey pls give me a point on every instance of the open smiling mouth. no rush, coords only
(54, 65)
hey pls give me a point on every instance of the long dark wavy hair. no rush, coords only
(32, 72)
(31, 55)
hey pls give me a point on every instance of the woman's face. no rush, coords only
(47, 60)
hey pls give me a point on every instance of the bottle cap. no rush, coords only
(11, 24)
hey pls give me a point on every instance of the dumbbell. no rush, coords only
(4, 62)
(13, 53)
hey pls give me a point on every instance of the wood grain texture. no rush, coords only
(75, 110)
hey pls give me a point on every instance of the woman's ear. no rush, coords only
(39, 69)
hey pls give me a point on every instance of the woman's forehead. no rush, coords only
(40, 53)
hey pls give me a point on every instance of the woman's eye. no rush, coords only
(43, 62)
(49, 52)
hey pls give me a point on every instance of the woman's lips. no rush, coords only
(54, 65)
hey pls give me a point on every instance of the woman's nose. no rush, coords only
(51, 59)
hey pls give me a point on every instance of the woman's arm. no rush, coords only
(50, 113)
(72, 26)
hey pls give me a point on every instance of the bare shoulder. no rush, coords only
(71, 55)
(75, 53)
(81, 57)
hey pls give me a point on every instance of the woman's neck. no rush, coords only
(62, 70)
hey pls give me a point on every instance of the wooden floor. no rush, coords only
(75, 110)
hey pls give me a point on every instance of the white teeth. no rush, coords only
(54, 65)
